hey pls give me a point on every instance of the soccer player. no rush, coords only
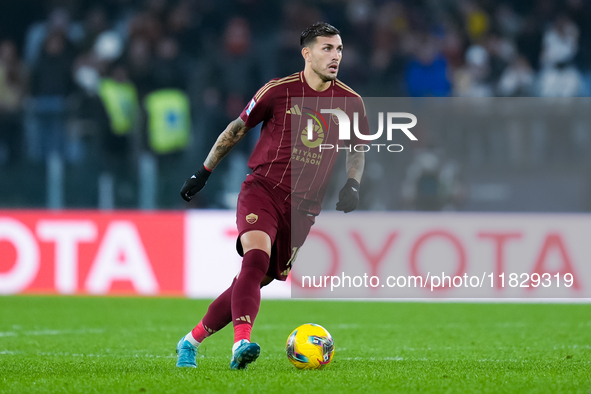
(280, 199)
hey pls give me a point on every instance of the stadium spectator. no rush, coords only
(168, 69)
(37, 34)
(51, 83)
(13, 85)
(517, 80)
(168, 114)
(432, 183)
(453, 47)
(239, 71)
(138, 62)
(95, 23)
(426, 73)
(473, 79)
(236, 62)
(529, 41)
(580, 12)
(560, 43)
(147, 25)
(559, 77)
(295, 16)
(507, 21)
(501, 52)
(120, 103)
(183, 24)
(476, 19)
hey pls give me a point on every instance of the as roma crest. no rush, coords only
(252, 218)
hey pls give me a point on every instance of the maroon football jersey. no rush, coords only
(293, 152)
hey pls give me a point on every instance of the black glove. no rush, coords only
(194, 184)
(349, 196)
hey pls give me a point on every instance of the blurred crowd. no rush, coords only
(86, 80)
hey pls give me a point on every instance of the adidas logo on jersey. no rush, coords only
(295, 110)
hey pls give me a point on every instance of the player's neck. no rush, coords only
(314, 81)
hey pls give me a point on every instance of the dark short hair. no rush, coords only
(318, 29)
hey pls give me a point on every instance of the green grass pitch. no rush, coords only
(127, 345)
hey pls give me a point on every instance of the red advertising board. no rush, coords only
(89, 252)
(385, 255)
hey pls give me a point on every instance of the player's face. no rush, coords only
(325, 56)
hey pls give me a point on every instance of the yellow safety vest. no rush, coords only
(169, 120)
(121, 103)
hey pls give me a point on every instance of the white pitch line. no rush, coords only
(104, 355)
(51, 332)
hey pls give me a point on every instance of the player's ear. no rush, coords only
(306, 53)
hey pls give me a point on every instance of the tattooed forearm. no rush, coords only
(355, 164)
(225, 142)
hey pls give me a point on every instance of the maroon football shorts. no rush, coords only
(260, 207)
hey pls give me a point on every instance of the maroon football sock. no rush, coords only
(218, 315)
(246, 296)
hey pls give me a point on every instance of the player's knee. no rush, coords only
(256, 239)
(255, 264)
